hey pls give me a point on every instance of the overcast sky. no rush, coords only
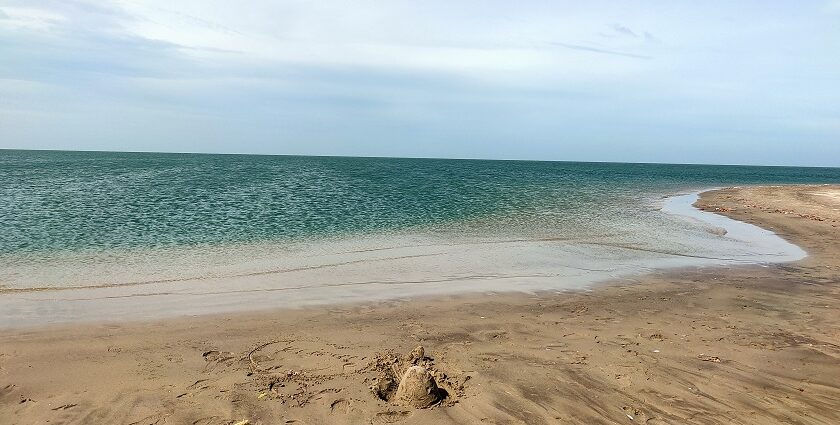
(646, 81)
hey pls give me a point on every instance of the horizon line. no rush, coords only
(423, 157)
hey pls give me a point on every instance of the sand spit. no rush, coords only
(738, 345)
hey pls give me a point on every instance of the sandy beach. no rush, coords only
(753, 344)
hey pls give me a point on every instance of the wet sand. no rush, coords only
(747, 344)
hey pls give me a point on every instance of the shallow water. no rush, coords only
(151, 235)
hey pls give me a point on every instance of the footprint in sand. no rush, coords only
(340, 406)
(389, 417)
(217, 358)
(208, 420)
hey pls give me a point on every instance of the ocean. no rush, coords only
(198, 232)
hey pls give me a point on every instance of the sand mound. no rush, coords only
(417, 388)
(413, 380)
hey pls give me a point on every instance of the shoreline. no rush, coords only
(745, 344)
(213, 296)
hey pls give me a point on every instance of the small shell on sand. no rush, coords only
(417, 388)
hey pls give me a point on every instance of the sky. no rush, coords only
(746, 82)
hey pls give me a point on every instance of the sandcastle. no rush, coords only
(417, 388)
(407, 381)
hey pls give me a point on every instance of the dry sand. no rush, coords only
(752, 344)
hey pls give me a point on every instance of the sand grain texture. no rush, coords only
(739, 345)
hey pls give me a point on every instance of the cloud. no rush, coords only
(76, 58)
(192, 20)
(621, 29)
(599, 50)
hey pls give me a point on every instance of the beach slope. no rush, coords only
(737, 345)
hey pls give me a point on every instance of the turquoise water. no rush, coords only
(92, 219)
(58, 201)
